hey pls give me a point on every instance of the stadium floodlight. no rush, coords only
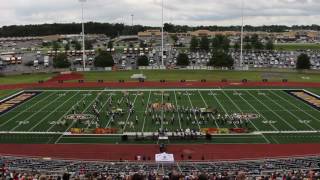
(83, 36)
(162, 34)
(242, 24)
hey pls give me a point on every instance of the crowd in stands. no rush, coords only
(284, 169)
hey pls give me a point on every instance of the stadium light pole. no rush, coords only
(83, 36)
(132, 20)
(242, 24)
(162, 34)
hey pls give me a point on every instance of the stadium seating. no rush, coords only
(294, 168)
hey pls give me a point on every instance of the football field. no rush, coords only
(103, 116)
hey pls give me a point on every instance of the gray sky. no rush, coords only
(148, 12)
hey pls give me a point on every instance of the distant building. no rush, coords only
(151, 34)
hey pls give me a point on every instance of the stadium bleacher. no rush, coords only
(36, 168)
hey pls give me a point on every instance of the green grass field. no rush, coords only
(281, 118)
(177, 75)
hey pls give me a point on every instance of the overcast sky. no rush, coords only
(148, 12)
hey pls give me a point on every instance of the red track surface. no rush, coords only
(129, 152)
(158, 85)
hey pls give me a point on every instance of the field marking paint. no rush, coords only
(193, 111)
(67, 112)
(108, 100)
(129, 115)
(45, 98)
(32, 128)
(239, 109)
(316, 95)
(224, 109)
(266, 119)
(99, 95)
(162, 109)
(179, 117)
(285, 109)
(267, 140)
(146, 110)
(208, 107)
(157, 90)
(286, 122)
(297, 107)
(12, 95)
(37, 112)
(274, 139)
(72, 124)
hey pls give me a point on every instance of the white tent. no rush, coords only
(164, 158)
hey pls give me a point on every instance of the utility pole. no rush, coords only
(242, 24)
(132, 20)
(83, 36)
(162, 34)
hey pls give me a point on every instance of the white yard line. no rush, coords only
(239, 109)
(33, 105)
(193, 112)
(267, 140)
(67, 112)
(286, 122)
(157, 90)
(286, 110)
(146, 110)
(103, 104)
(72, 124)
(56, 109)
(208, 107)
(6, 97)
(109, 121)
(37, 112)
(305, 112)
(162, 113)
(134, 102)
(179, 117)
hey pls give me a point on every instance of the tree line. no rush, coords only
(113, 30)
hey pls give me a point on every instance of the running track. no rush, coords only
(129, 152)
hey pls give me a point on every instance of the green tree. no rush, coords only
(270, 45)
(104, 59)
(61, 61)
(204, 44)
(175, 38)
(55, 45)
(142, 44)
(183, 60)
(237, 46)
(143, 61)
(89, 44)
(67, 47)
(77, 45)
(255, 42)
(194, 44)
(110, 45)
(303, 61)
(220, 42)
(221, 59)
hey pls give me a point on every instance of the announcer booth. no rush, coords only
(164, 158)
